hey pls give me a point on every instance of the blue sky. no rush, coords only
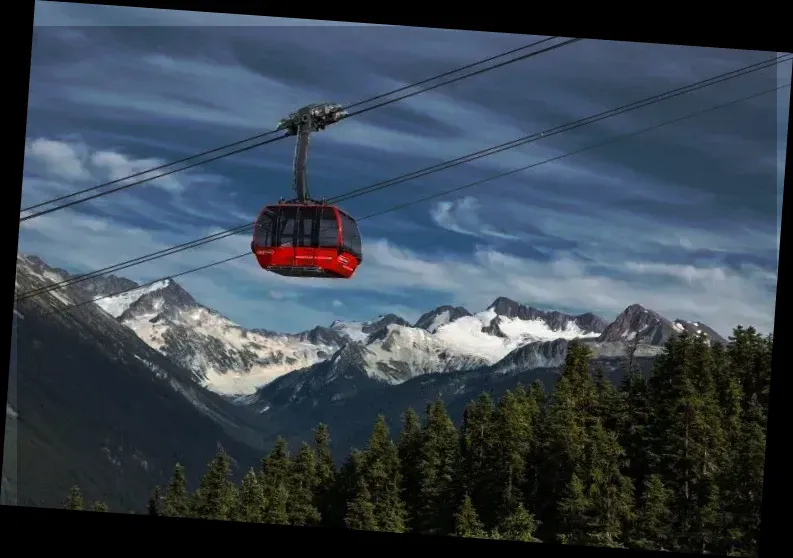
(683, 219)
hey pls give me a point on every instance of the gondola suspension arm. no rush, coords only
(302, 123)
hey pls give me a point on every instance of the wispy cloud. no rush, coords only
(462, 217)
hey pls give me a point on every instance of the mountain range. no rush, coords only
(113, 392)
(233, 361)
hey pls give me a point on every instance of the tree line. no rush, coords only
(672, 460)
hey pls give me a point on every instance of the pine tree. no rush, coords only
(344, 489)
(749, 356)
(610, 491)
(729, 393)
(215, 497)
(569, 415)
(574, 508)
(514, 441)
(250, 500)
(301, 507)
(326, 473)
(744, 483)
(599, 500)
(275, 479)
(176, 501)
(633, 416)
(537, 393)
(360, 510)
(409, 450)
(535, 457)
(155, 502)
(75, 499)
(651, 530)
(687, 443)
(466, 521)
(99, 507)
(382, 475)
(607, 400)
(478, 468)
(749, 366)
(517, 525)
(437, 465)
(583, 469)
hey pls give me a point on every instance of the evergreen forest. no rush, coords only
(670, 460)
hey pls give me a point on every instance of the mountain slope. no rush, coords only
(96, 406)
(223, 356)
(341, 394)
(651, 327)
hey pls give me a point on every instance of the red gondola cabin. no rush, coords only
(307, 240)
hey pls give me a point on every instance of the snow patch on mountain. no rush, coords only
(36, 269)
(353, 330)
(466, 336)
(441, 316)
(441, 319)
(361, 332)
(406, 352)
(118, 304)
(225, 357)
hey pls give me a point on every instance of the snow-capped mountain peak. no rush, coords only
(651, 327)
(403, 352)
(169, 298)
(492, 336)
(118, 304)
(636, 320)
(360, 332)
(696, 328)
(507, 308)
(442, 315)
(223, 356)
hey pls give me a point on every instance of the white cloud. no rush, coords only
(604, 233)
(71, 161)
(60, 167)
(462, 216)
(59, 159)
(117, 166)
(153, 87)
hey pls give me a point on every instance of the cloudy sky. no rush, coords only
(683, 219)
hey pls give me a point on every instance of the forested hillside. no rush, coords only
(672, 461)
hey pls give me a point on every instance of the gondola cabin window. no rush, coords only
(350, 235)
(328, 229)
(306, 234)
(287, 219)
(264, 228)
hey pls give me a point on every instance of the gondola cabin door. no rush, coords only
(306, 237)
(285, 237)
